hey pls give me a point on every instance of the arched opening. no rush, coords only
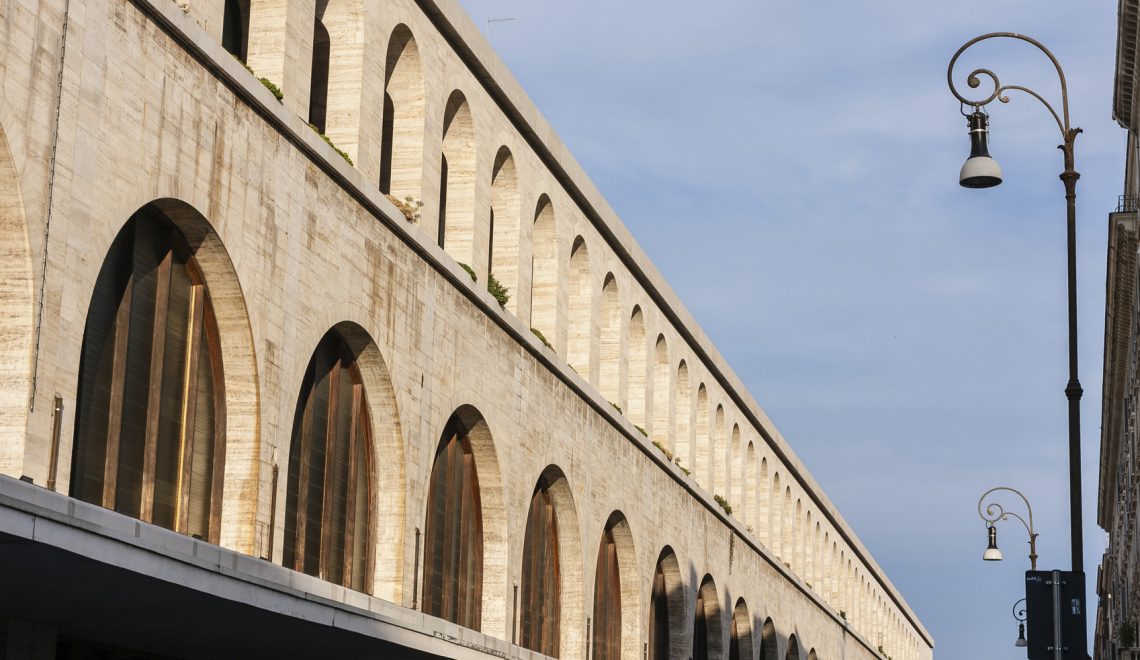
(736, 483)
(793, 649)
(740, 637)
(721, 482)
(706, 622)
(768, 650)
(541, 596)
(609, 362)
(235, 28)
(638, 368)
(615, 612)
(812, 655)
(581, 321)
(319, 73)
(777, 517)
(666, 609)
(328, 505)
(551, 617)
(16, 322)
(796, 540)
(660, 432)
(454, 538)
(544, 271)
(788, 527)
(503, 251)
(682, 406)
(150, 421)
(402, 136)
(702, 466)
(817, 576)
(750, 486)
(763, 506)
(457, 181)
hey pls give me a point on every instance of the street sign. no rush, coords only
(1054, 610)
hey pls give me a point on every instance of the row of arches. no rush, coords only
(599, 340)
(150, 442)
(610, 351)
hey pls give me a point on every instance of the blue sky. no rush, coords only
(792, 170)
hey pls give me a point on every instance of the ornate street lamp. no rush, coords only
(980, 171)
(1019, 616)
(994, 512)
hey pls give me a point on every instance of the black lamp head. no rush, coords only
(980, 170)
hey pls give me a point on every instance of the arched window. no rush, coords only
(544, 272)
(776, 518)
(702, 466)
(683, 405)
(235, 28)
(402, 132)
(793, 649)
(736, 485)
(706, 624)
(150, 416)
(580, 333)
(638, 352)
(740, 634)
(503, 257)
(662, 389)
(319, 80)
(541, 582)
(750, 485)
(457, 182)
(768, 649)
(453, 544)
(328, 502)
(609, 363)
(721, 480)
(666, 606)
(607, 599)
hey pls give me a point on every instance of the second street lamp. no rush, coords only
(995, 512)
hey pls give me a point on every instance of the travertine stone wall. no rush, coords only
(294, 241)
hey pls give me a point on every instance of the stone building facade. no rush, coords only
(256, 397)
(1118, 578)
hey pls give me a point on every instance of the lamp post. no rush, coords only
(994, 512)
(980, 171)
(1019, 616)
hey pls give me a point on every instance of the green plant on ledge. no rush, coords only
(617, 408)
(541, 338)
(273, 89)
(723, 504)
(641, 430)
(409, 206)
(330, 143)
(470, 271)
(668, 454)
(843, 614)
(497, 290)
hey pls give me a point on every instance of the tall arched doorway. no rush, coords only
(150, 412)
(329, 499)
(453, 544)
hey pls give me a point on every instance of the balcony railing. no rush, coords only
(1128, 204)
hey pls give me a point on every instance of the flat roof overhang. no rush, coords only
(99, 576)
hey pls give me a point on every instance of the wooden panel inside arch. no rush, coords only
(453, 545)
(541, 580)
(150, 420)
